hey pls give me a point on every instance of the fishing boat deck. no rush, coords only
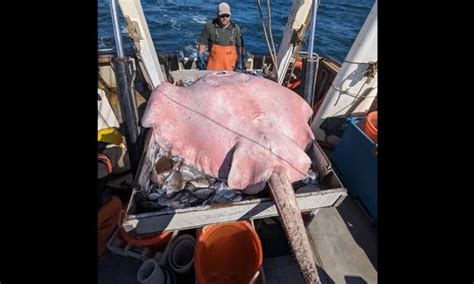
(343, 239)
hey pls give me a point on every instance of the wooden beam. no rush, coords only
(293, 35)
(139, 32)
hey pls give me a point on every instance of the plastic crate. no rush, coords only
(355, 159)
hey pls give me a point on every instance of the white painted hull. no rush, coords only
(351, 92)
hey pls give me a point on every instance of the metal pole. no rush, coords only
(309, 83)
(115, 23)
(129, 112)
(123, 72)
(313, 29)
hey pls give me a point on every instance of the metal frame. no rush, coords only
(199, 216)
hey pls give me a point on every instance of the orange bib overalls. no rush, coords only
(222, 57)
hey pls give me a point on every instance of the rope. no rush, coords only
(103, 82)
(269, 12)
(371, 69)
(133, 30)
(369, 73)
(356, 96)
(266, 38)
(346, 91)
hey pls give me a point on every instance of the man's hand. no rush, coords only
(200, 62)
(240, 63)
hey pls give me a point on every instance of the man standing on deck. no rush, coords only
(224, 41)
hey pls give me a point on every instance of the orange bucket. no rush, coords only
(370, 126)
(227, 253)
(154, 241)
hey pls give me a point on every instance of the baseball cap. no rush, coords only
(223, 9)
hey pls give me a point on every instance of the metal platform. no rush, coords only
(199, 216)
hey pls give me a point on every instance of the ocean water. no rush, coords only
(176, 25)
